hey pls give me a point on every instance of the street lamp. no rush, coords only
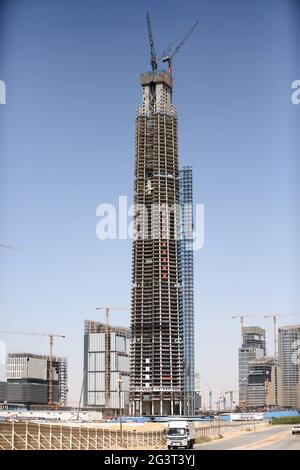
(120, 410)
(219, 414)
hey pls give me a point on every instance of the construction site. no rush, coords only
(34, 379)
(159, 360)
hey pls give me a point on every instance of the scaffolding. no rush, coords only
(156, 368)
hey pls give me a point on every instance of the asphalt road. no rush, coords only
(277, 437)
(290, 443)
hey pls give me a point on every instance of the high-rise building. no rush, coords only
(106, 366)
(197, 398)
(253, 347)
(156, 342)
(28, 379)
(289, 360)
(261, 383)
(187, 288)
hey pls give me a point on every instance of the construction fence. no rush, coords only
(46, 436)
(36, 436)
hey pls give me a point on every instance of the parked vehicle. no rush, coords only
(296, 429)
(180, 434)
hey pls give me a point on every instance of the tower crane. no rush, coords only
(107, 311)
(51, 336)
(210, 395)
(274, 317)
(168, 54)
(153, 59)
(241, 317)
(10, 247)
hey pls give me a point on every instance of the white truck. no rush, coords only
(180, 434)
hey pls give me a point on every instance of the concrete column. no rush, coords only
(172, 407)
(180, 407)
(130, 405)
(161, 406)
(141, 407)
(152, 407)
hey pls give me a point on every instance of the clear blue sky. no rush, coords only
(67, 143)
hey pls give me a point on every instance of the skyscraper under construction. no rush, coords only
(157, 343)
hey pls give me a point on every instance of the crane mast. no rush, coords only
(153, 59)
(170, 52)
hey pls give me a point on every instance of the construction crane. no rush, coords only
(50, 336)
(168, 54)
(153, 59)
(210, 395)
(10, 247)
(241, 317)
(274, 317)
(107, 311)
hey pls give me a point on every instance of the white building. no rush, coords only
(106, 366)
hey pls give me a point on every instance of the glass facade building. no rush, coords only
(187, 288)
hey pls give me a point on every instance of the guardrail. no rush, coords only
(216, 428)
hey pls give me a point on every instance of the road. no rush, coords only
(274, 438)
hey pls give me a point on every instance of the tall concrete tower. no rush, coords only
(156, 343)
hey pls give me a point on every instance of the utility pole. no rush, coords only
(80, 398)
(50, 369)
(219, 415)
(107, 311)
(189, 406)
(120, 410)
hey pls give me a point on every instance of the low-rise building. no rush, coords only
(28, 379)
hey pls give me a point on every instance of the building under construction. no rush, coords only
(158, 343)
(28, 380)
(289, 340)
(261, 384)
(253, 347)
(106, 366)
